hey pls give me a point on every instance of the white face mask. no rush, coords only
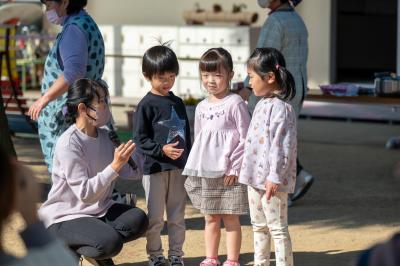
(53, 17)
(103, 116)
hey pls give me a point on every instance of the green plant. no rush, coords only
(190, 100)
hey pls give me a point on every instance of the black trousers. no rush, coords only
(102, 238)
(299, 167)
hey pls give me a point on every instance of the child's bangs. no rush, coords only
(99, 89)
(251, 64)
(211, 62)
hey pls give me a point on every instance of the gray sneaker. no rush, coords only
(175, 261)
(157, 260)
(304, 180)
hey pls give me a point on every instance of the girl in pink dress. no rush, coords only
(213, 166)
(269, 161)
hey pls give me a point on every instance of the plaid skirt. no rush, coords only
(211, 196)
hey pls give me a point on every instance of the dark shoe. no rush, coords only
(303, 183)
(175, 261)
(157, 260)
(105, 262)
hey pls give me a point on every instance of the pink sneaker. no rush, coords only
(210, 262)
(231, 263)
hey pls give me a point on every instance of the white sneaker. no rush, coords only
(304, 180)
(231, 263)
(157, 260)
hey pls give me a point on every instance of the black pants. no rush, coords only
(102, 238)
(299, 167)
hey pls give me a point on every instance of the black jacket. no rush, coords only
(161, 120)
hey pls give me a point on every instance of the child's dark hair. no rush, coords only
(82, 91)
(158, 60)
(265, 60)
(215, 59)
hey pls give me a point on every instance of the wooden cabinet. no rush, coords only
(129, 42)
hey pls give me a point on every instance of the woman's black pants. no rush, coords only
(102, 238)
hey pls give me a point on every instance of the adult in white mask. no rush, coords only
(78, 52)
(80, 209)
(285, 31)
(56, 14)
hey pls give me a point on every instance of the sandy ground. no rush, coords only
(354, 203)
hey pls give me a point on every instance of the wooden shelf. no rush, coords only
(362, 99)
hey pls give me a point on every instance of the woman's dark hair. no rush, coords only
(82, 91)
(74, 6)
(215, 59)
(265, 60)
(7, 186)
(159, 59)
(295, 2)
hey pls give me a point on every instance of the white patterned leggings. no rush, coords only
(269, 220)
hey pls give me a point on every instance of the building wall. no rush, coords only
(153, 12)
(316, 14)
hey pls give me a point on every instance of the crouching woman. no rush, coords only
(86, 164)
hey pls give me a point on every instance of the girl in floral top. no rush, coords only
(269, 160)
(213, 166)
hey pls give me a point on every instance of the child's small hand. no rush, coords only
(172, 152)
(229, 180)
(271, 189)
